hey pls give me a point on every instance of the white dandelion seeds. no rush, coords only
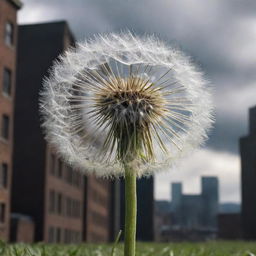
(120, 98)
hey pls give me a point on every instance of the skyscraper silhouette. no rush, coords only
(248, 165)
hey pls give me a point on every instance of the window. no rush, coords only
(9, 33)
(76, 179)
(52, 164)
(69, 174)
(73, 213)
(51, 235)
(2, 212)
(52, 201)
(68, 207)
(58, 235)
(59, 204)
(78, 209)
(59, 168)
(5, 126)
(4, 176)
(7, 83)
(66, 236)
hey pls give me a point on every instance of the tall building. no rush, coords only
(210, 201)
(8, 43)
(248, 165)
(196, 211)
(176, 190)
(145, 208)
(65, 205)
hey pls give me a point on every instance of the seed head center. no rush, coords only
(130, 108)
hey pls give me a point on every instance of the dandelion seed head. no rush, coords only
(121, 98)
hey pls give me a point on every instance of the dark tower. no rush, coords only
(210, 201)
(145, 215)
(248, 165)
(176, 194)
(64, 206)
(176, 189)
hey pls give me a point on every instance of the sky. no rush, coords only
(220, 37)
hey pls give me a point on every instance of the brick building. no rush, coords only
(248, 165)
(97, 222)
(8, 42)
(65, 206)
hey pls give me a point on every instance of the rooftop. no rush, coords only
(16, 3)
(56, 25)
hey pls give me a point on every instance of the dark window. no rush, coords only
(66, 236)
(69, 174)
(78, 209)
(4, 176)
(76, 178)
(52, 201)
(60, 168)
(51, 235)
(59, 204)
(58, 235)
(9, 33)
(68, 207)
(5, 126)
(52, 164)
(7, 83)
(73, 205)
(2, 212)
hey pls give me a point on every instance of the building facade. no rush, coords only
(145, 208)
(97, 223)
(229, 226)
(65, 206)
(196, 212)
(248, 173)
(8, 45)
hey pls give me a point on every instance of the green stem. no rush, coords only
(130, 211)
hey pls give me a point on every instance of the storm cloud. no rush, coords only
(219, 35)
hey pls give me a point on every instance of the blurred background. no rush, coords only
(210, 195)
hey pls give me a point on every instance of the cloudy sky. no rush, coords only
(219, 35)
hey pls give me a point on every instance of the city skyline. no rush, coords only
(225, 52)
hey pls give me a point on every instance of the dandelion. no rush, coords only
(120, 105)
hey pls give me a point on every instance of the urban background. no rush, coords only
(43, 199)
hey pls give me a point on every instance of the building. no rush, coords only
(115, 209)
(162, 220)
(187, 216)
(22, 229)
(145, 208)
(210, 202)
(196, 211)
(8, 43)
(65, 205)
(229, 226)
(97, 224)
(248, 165)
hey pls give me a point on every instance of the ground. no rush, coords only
(232, 248)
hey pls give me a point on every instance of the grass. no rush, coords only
(234, 248)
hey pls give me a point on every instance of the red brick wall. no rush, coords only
(7, 59)
(98, 209)
(70, 225)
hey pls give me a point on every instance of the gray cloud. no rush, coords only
(203, 163)
(219, 35)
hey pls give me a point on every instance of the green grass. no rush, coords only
(234, 248)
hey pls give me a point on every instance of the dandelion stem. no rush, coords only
(130, 211)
